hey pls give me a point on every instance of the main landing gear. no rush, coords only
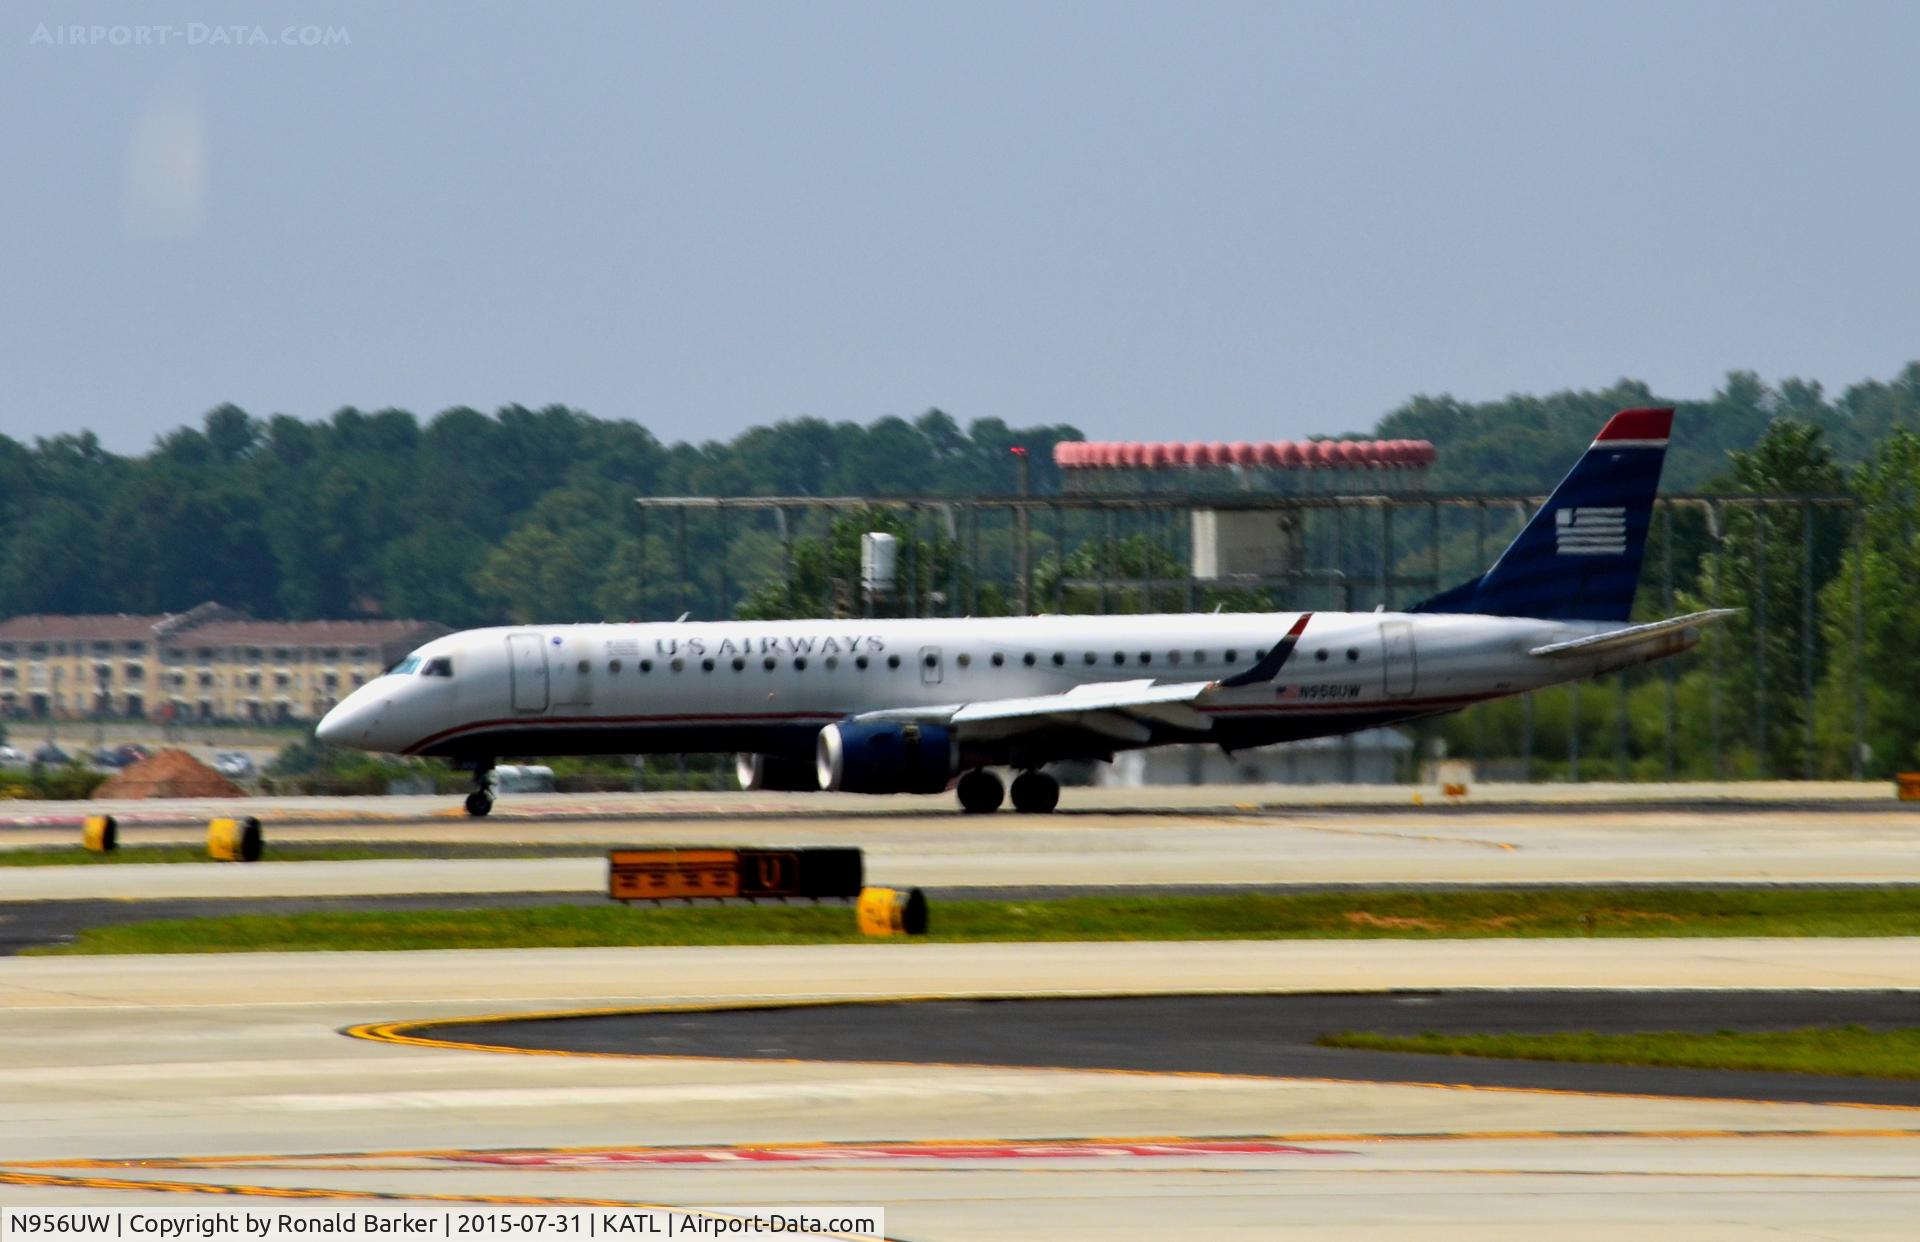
(480, 801)
(1034, 793)
(980, 792)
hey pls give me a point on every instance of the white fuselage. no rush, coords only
(769, 687)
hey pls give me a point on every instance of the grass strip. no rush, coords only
(1400, 914)
(1851, 1051)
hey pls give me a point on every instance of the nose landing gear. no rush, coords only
(480, 801)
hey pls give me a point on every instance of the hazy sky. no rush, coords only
(1209, 220)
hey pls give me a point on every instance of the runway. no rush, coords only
(946, 850)
(126, 1080)
(233, 1073)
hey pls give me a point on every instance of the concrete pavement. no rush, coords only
(1475, 845)
(234, 1070)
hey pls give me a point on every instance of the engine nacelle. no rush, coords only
(771, 772)
(881, 757)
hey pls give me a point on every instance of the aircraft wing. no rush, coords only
(1654, 634)
(1123, 710)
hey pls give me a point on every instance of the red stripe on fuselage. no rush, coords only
(602, 721)
(1277, 710)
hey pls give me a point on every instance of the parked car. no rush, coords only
(10, 757)
(131, 753)
(51, 755)
(234, 763)
(523, 778)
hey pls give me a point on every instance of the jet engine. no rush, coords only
(775, 773)
(881, 757)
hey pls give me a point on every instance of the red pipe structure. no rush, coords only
(1266, 455)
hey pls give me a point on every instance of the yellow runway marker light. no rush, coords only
(891, 912)
(234, 840)
(100, 834)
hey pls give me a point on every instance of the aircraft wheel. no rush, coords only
(980, 792)
(479, 802)
(1035, 793)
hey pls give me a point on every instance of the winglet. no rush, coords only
(1269, 666)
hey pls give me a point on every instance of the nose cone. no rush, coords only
(355, 721)
(333, 726)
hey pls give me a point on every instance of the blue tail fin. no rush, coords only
(1579, 558)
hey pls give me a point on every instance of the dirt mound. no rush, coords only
(169, 774)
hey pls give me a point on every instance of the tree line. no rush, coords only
(464, 518)
(527, 515)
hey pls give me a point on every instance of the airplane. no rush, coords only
(923, 705)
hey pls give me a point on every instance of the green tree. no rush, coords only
(1875, 596)
(1770, 563)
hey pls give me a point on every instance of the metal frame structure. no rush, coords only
(1367, 541)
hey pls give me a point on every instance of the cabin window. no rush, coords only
(583, 666)
(963, 659)
(768, 663)
(1119, 657)
(739, 663)
(1088, 658)
(1146, 657)
(930, 660)
(1232, 655)
(859, 661)
(999, 659)
(1173, 657)
(1259, 653)
(893, 661)
(1199, 657)
(833, 662)
(1320, 654)
(1059, 657)
(677, 664)
(1353, 653)
(646, 666)
(706, 665)
(800, 662)
(613, 666)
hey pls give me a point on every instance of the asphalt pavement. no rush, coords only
(1260, 1035)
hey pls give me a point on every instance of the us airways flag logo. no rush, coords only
(1590, 532)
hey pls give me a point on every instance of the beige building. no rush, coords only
(209, 663)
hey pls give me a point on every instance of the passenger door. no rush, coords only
(527, 658)
(1398, 659)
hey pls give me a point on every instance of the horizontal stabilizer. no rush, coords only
(1686, 628)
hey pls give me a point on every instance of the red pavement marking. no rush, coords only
(887, 1151)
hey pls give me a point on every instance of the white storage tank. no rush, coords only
(879, 562)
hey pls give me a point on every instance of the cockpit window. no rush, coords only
(405, 666)
(439, 666)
